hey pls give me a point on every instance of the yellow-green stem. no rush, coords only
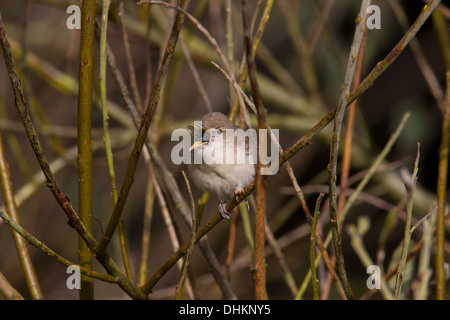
(88, 13)
(106, 132)
(21, 245)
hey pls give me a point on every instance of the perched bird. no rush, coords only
(227, 165)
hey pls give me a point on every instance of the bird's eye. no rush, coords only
(218, 132)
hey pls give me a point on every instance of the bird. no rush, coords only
(215, 173)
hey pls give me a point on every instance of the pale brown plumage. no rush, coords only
(222, 179)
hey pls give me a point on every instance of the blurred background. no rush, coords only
(301, 65)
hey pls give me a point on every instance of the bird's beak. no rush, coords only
(197, 144)
(197, 131)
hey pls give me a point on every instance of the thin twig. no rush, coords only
(356, 234)
(21, 246)
(41, 246)
(346, 158)
(281, 259)
(180, 284)
(299, 43)
(169, 222)
(373, 168)
(424, 271)
(256, 41)
(407, 231)
(146, 224)
(63, 82)
(198, 81)
(393, 271)
(312, 248)
(340, 111)
(129, 59)
(421, 60)
(106, 132)
(348, 140)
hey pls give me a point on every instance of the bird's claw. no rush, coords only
(238, 191)
(223, 211)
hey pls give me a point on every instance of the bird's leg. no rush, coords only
(223, 211)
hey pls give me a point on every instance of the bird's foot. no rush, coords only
(238, 191)
(223, 211)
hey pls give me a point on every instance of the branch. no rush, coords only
(21, 247)
(259, 275)
(407, 230)
(340, 111)
(41, 246)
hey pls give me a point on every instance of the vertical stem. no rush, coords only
(441, 193)
(126, 45)
(408, 231)
(340, 111)
(184, 270)
(88, 12)
(230, 246)
(229, 36)
(256, 41)
(259, 276)
(146, 230)
(106, 133)
(312, 249)
(107, 136)
(346, 158)
(21, 244)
